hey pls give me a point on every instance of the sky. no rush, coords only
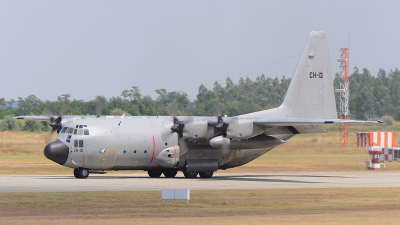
(91, 48)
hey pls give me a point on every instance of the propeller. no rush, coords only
(55, 121)
(177, 127)
(221, 126)
(221, 142)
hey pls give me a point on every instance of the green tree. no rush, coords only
(33, 126)
(9, 123)
(29, 105)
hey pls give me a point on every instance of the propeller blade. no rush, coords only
(225, 147)
(217, 109)
(49, 137)
(182, 145)
(172, 110)
(167, 135)
(63, 110)
(47, 111)
(99, 110)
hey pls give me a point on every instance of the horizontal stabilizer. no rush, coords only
(305, 121)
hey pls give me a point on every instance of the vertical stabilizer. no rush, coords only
(310, 93)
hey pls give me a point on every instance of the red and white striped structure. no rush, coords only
(384, 139)
(390, 155)
(380, 147)
(375, 152)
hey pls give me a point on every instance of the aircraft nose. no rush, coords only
(57, 151)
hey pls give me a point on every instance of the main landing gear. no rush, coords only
(157, 173)
(206, 174)
(172, 173)
(81, 173)
(194, 174)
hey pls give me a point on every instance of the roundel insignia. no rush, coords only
(101, 151)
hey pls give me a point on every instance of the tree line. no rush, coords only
(370, 97)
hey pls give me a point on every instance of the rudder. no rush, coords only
(310, 93)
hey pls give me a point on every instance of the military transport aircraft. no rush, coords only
(199, 145)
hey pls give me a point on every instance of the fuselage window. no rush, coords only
(396, 154)
(86, 131)
(64, 129)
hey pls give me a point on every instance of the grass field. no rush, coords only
(286, 206)
(22, 154)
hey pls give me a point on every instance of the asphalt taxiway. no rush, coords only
(124, 182)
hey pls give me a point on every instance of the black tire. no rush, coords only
(206, 174)
(190, 174)
(76, 173)
(154, 173)
(170, 173)
(81, 173)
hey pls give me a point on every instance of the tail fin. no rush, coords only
(310, 93)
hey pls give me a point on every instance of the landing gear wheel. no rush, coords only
(154, 173)
(170, 173)
(190, 174)
(206, 174)
(81, 173)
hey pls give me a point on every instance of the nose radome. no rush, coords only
(57, 151)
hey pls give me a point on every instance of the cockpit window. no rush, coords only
(79, 130)
(64, 129)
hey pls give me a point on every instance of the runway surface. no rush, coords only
(125, 182)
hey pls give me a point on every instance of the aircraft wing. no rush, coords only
(47, 118)
(39, 118)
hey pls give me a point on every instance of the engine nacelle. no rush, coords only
(195, 130)
(168, 157)
(240, 129)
